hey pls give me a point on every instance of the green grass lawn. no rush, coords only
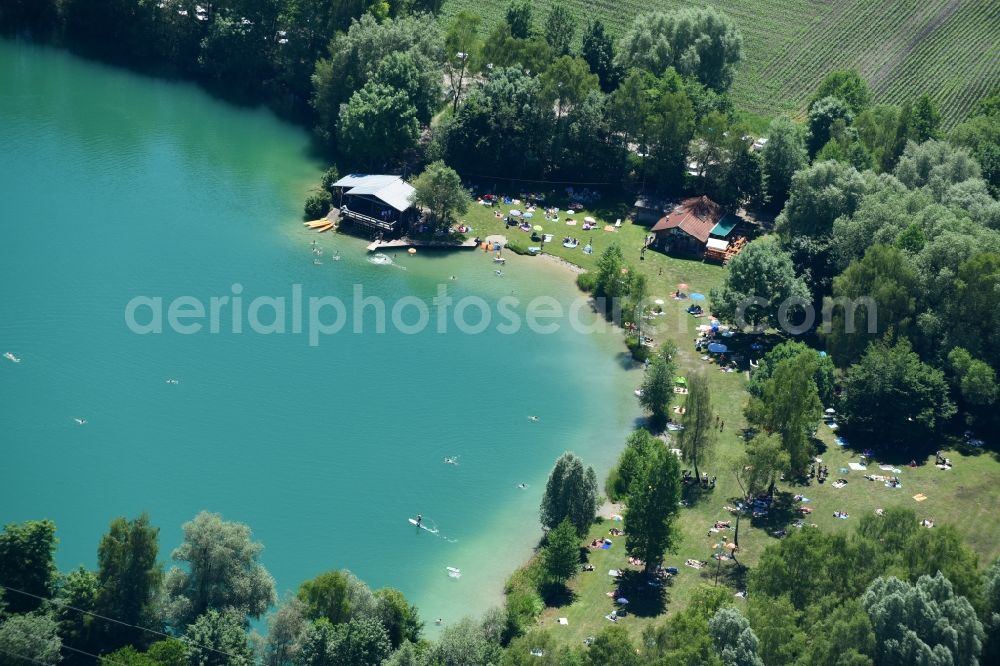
(904, 48)
(664, 272)
(964, 496)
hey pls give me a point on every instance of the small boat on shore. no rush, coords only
(10, 357)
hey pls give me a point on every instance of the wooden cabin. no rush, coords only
(378, 205)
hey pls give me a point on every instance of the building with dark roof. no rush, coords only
(693, 225)
(378, 204)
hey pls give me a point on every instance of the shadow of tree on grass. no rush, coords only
(644, 600)
(556, 595)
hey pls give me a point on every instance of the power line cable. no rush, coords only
(26, 658)
(111, 619)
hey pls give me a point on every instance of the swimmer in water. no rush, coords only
(522, 486)
(532, 418)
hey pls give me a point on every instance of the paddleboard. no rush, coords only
(413, 521)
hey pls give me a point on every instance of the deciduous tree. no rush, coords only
(872, 296)
(222, 572)
(440, 190)
(571, 492)
(823, 114)
(378, 126)
(560, 28)
(464, 643)
(463, 49)
(760, 286)
(599, 52)
(758, 469)
(818, 196)
(130, 578)
(355, 55)
(218, 638)
(847, 85)
(789, 405)
(697, 439)
(398, 616)
(76, 603)
(702, 43)
(562, 552)
(789, 349)
(566, 83)
(286, 629)
(922, 623)
(733, 639)
(26, 563)
(890, 393)
(336, 596)
(657, 390)
(30, 637)
(639, 449)
(651, 509)
(519, 17)
(612, 646)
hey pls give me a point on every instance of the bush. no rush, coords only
(330, 176)
(524, 602)
(640, 352)
(517, 248)
(318, 205)
(586, 281)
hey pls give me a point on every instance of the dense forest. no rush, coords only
(385, 85)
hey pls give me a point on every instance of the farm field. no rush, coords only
(949, 49)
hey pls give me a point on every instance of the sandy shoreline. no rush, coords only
(559, 261)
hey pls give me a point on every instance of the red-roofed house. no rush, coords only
(689, 226)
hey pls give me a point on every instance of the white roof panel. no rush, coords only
(364, 180)
(392, 190)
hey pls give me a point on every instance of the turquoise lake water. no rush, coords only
(116, 186)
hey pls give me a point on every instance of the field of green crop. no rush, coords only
(949, 49)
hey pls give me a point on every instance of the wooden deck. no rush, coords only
(406, 243)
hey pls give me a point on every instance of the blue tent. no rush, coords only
(717, 348)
